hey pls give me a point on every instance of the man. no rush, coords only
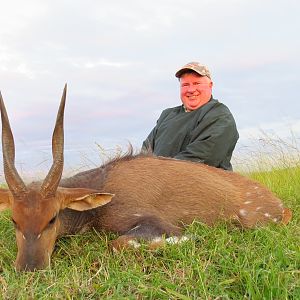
(201, 129)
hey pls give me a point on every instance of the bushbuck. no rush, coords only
(139, 197)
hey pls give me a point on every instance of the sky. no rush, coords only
(119, 59)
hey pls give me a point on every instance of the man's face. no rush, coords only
(195, 90)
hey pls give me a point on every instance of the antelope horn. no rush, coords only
(52, 180)
(14, 181)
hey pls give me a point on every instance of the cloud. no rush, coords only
(85, 63)
(284, 129)
(119, 60)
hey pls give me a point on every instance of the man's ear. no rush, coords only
(83, 199)
(5, 199)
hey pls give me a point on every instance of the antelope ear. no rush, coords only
(5, 199)
(83, 199)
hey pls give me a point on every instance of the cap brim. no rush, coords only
(181, 71)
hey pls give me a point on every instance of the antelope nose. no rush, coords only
(30, 266)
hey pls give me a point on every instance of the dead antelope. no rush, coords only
(136, 196)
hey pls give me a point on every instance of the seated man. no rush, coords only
(201, 129)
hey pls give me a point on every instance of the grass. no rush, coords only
(219, 263)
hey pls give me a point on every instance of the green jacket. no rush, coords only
(207, 134)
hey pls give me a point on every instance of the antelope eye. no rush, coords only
(15, 223)
(52, 221)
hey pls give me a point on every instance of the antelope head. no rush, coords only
(35, 208)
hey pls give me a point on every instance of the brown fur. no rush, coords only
(153, 197)
(177, 192)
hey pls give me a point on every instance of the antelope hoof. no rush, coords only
(286, 215)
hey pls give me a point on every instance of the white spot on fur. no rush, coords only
(134, 243)
(23, 236)
(248, 194)
(258, 208)
(136, 227)
(49, 258)
(243, 212)
(256, 187)
(39, 236)
(267, 215)
(137, 215)
(172, 240)
(247, 202)
(177, 240)
(275, 220)
(156, 240)
(281, 205)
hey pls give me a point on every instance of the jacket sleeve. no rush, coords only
(149, 142)
(211, 140)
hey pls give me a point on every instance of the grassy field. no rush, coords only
(219, 263)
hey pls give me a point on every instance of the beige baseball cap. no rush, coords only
(196, 67)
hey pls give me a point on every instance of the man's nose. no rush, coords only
(191, 88)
